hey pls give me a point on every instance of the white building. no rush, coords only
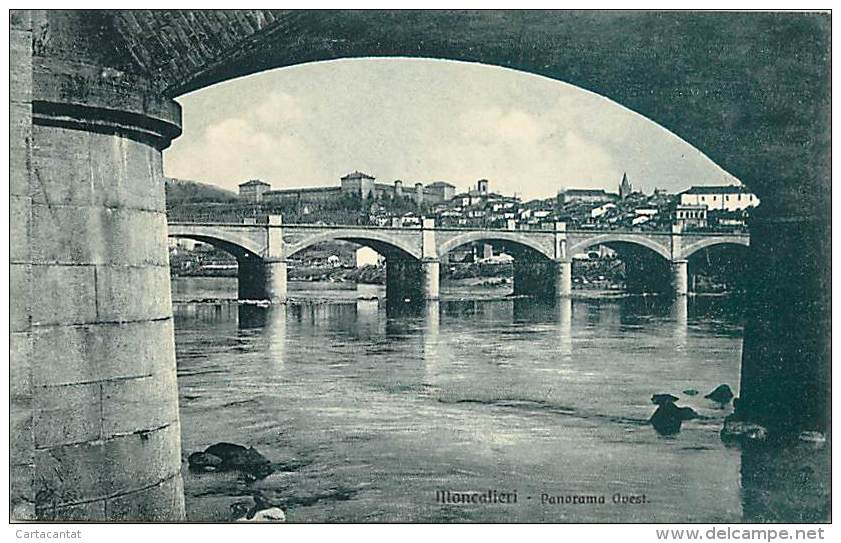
(597, 212)
(365, 256)
(719, 198)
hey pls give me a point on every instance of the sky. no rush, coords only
(425, 120)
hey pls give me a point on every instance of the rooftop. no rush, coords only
(719, 189)
(254, 182)
(441, 184)
(357, 175)
(586, 192)
(306, 189)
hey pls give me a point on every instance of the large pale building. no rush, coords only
(719, 198)
(586, 195)
(253, 190)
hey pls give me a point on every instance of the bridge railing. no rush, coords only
(227, 215)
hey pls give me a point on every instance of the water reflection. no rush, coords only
(396, 402)
(680, 315)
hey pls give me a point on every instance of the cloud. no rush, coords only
(520, 152)
(262, 142)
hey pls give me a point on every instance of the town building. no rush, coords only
(442, 190)
(585, 195)
(720, 198)
(253, 190)
(692, 215)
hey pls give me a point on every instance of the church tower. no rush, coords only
(625, 187)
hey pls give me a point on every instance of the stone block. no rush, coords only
(65, 235)
(133, 405)
(20, 365)
(69, 234)
(61, 356)
(66, 294)
(20, 19)
(134, 237)
(83, 512)
(21, 492)
(21, 444)
(20, 126)
(19, 242)
(20, 63)
(98, 235)
(62, 143)
(131, 294)
(67, 414)
(134, 349)
(125, 173)
(19, 300)
(142, 459)
(161, 503)
(19, 170)
(101, 352)
(89, 471)
(61, 180)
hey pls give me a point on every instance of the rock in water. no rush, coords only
(817, 439)
(669, 417)
(742, 431)
(721, 394)
(663, 399)
(690, 392)
(202, 461)
(237, 457)
(687, 413)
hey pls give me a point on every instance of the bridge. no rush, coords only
(542, 258)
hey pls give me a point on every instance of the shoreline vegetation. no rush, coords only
(603, 276)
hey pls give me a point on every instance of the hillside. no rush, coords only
(182, 191)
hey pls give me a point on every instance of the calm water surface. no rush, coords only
(368, 414)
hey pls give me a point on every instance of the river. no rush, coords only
(370, 416)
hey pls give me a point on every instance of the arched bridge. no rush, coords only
(413, 254)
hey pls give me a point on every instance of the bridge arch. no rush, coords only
(381, 241)
(691, 249)
(229, 240)
(510, 237)
(662, 249)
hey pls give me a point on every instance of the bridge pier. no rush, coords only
(275, 286)
(411, 281)
(563, 279)
(542, 278)
(431, 270)
(94, 425)
(785, 383)
(680, 277)
(261, 280)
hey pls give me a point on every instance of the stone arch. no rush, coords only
(633, 239)
(382, 242)
(691, 249)
(512, 237)
(231, 242)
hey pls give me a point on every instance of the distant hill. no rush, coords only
(182, 191)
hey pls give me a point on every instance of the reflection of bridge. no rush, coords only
(542, 265)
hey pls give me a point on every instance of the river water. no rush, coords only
(368, 415)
